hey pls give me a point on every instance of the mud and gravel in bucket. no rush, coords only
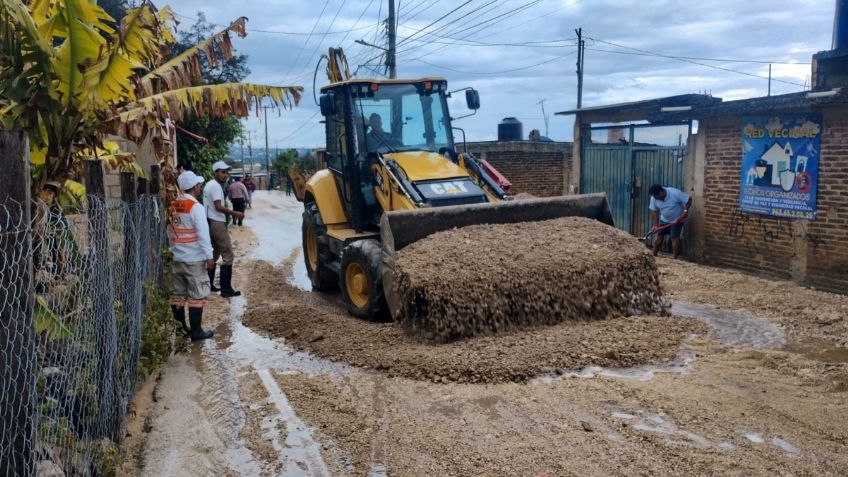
(487, 279)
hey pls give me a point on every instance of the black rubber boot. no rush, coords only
(195, 315)
(227, 282)
(212, 286)
(179, 315)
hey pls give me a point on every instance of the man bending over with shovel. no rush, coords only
(669, 208)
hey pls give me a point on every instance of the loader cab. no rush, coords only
(366, 119)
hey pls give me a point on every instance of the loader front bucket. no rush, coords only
(402, 228)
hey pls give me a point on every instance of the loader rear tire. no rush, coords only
(361, 280)
(316, 250)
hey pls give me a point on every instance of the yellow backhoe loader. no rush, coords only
(393, 177)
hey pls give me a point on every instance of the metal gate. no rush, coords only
(615, 161)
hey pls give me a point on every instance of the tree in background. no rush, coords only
(116, 9)
(217, 132)
(285, 160)
(70, 75)
(308, 162)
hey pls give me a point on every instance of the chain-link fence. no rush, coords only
(73, 285)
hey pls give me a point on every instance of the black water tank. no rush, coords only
(510, 129)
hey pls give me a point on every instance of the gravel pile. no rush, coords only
(486, 279)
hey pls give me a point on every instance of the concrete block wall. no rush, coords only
(812, 253)
(539, 168)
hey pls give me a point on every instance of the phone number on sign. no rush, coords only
(793, 214)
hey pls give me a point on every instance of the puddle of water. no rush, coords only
(249, 348)
(301, 449)
(622, 415)
(786, 447)
(378, 470)
(300, 278)
(819, 350)
(682, 364)
(734, 328)
(781, 444)
(658, 424)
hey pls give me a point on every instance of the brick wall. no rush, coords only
(810, 252)
(539, 168)
(827, 238)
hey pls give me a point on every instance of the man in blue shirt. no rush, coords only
(668, 206)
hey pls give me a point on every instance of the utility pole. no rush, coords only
(267, 152)
(391, 51)
(544, 116)
(580, 53)
(769, 88)
(250, 150)
(391, 62)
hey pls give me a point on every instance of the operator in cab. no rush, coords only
(378, 138)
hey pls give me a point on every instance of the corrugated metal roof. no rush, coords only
(765, 104)
(648, 105)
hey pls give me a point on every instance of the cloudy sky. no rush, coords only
(519, 52)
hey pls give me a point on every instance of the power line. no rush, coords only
(280, 32)
(482, 26)
(522, 68)
(697, 58)
(513, 27)
(361, 54)
(305, 75)
(297, 130)
(412, 8)
(545, 15)
(716, 67)
(481, 10)
(324, 36)
(438, 20)
(508, 13)
(317, 21)
(527, 44)
(357, 21)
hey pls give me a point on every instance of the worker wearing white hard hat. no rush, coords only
(217, 212)
(188, 234)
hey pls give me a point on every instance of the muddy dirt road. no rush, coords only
(746, 378)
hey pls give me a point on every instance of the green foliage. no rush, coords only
(107, 458)
(286, 160)
(192, 153)
(47, 322)
(308, 162)
(117, 9)
(199, 156)
(157, 329)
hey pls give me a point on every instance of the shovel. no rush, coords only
(660, 228)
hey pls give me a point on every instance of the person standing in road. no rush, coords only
(217, 212)
(668, 206)
(188, 234)
(238, 196)
(251, 188)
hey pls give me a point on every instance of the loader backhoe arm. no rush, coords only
(298, 181)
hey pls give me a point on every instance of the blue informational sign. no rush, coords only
(780, 165)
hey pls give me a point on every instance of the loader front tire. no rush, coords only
(361, 280)
(316, 250)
